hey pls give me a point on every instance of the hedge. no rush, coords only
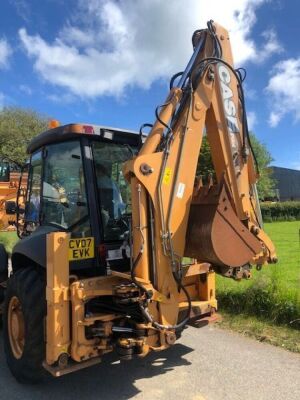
(281, 211)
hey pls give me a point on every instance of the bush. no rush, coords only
(8, 239)
(264, 298)
(281, 211)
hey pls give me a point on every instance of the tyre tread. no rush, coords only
(28, 284)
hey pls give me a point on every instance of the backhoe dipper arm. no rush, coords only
(173, 218)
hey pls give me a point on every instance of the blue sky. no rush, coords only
(109, 62)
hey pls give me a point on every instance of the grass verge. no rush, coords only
(268, 305)
(273, 293)
(262, 330)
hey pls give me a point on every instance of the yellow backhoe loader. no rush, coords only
(119, 240)
(9, 183)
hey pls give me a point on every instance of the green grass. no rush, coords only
(8, 239)
(273, 294)
(262, 330)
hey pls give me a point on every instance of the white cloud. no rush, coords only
(5, 53)
(63, 98)
(249, 92)
(271, 46)
(26, 89)
(274, 118)
(112, 45)
(284, 90)
(252, 120)
(76, 37)
(22, 8)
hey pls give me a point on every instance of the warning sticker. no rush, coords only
(167, 176)
(81, 249)
(180, 190)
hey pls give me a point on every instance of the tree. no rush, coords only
(266, 182)
(205, 165)
(17, 127)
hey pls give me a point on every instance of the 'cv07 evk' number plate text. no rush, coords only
(81, 249)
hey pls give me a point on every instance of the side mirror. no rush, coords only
(10, 207)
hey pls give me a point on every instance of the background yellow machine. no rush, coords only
(9, 183)
(120, 241)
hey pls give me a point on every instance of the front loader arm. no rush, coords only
(218, 224)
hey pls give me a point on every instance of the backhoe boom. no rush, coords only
(218, 223)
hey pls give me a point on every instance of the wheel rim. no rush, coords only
(16, 329)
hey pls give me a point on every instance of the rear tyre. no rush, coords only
(2, 294)
(24, 313)
(3, 263)
(3, 275)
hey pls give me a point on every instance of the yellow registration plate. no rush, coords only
(81, 249)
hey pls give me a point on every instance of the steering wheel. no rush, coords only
(120, 222)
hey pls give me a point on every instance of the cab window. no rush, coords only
(33, 200)
(64, 201)
(113, 190)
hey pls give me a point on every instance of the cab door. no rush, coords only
(64, 197)
(113, 197)
(31, 217)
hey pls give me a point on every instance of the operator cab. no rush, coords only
(75, 184)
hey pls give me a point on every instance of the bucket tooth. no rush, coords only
(215, 234)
